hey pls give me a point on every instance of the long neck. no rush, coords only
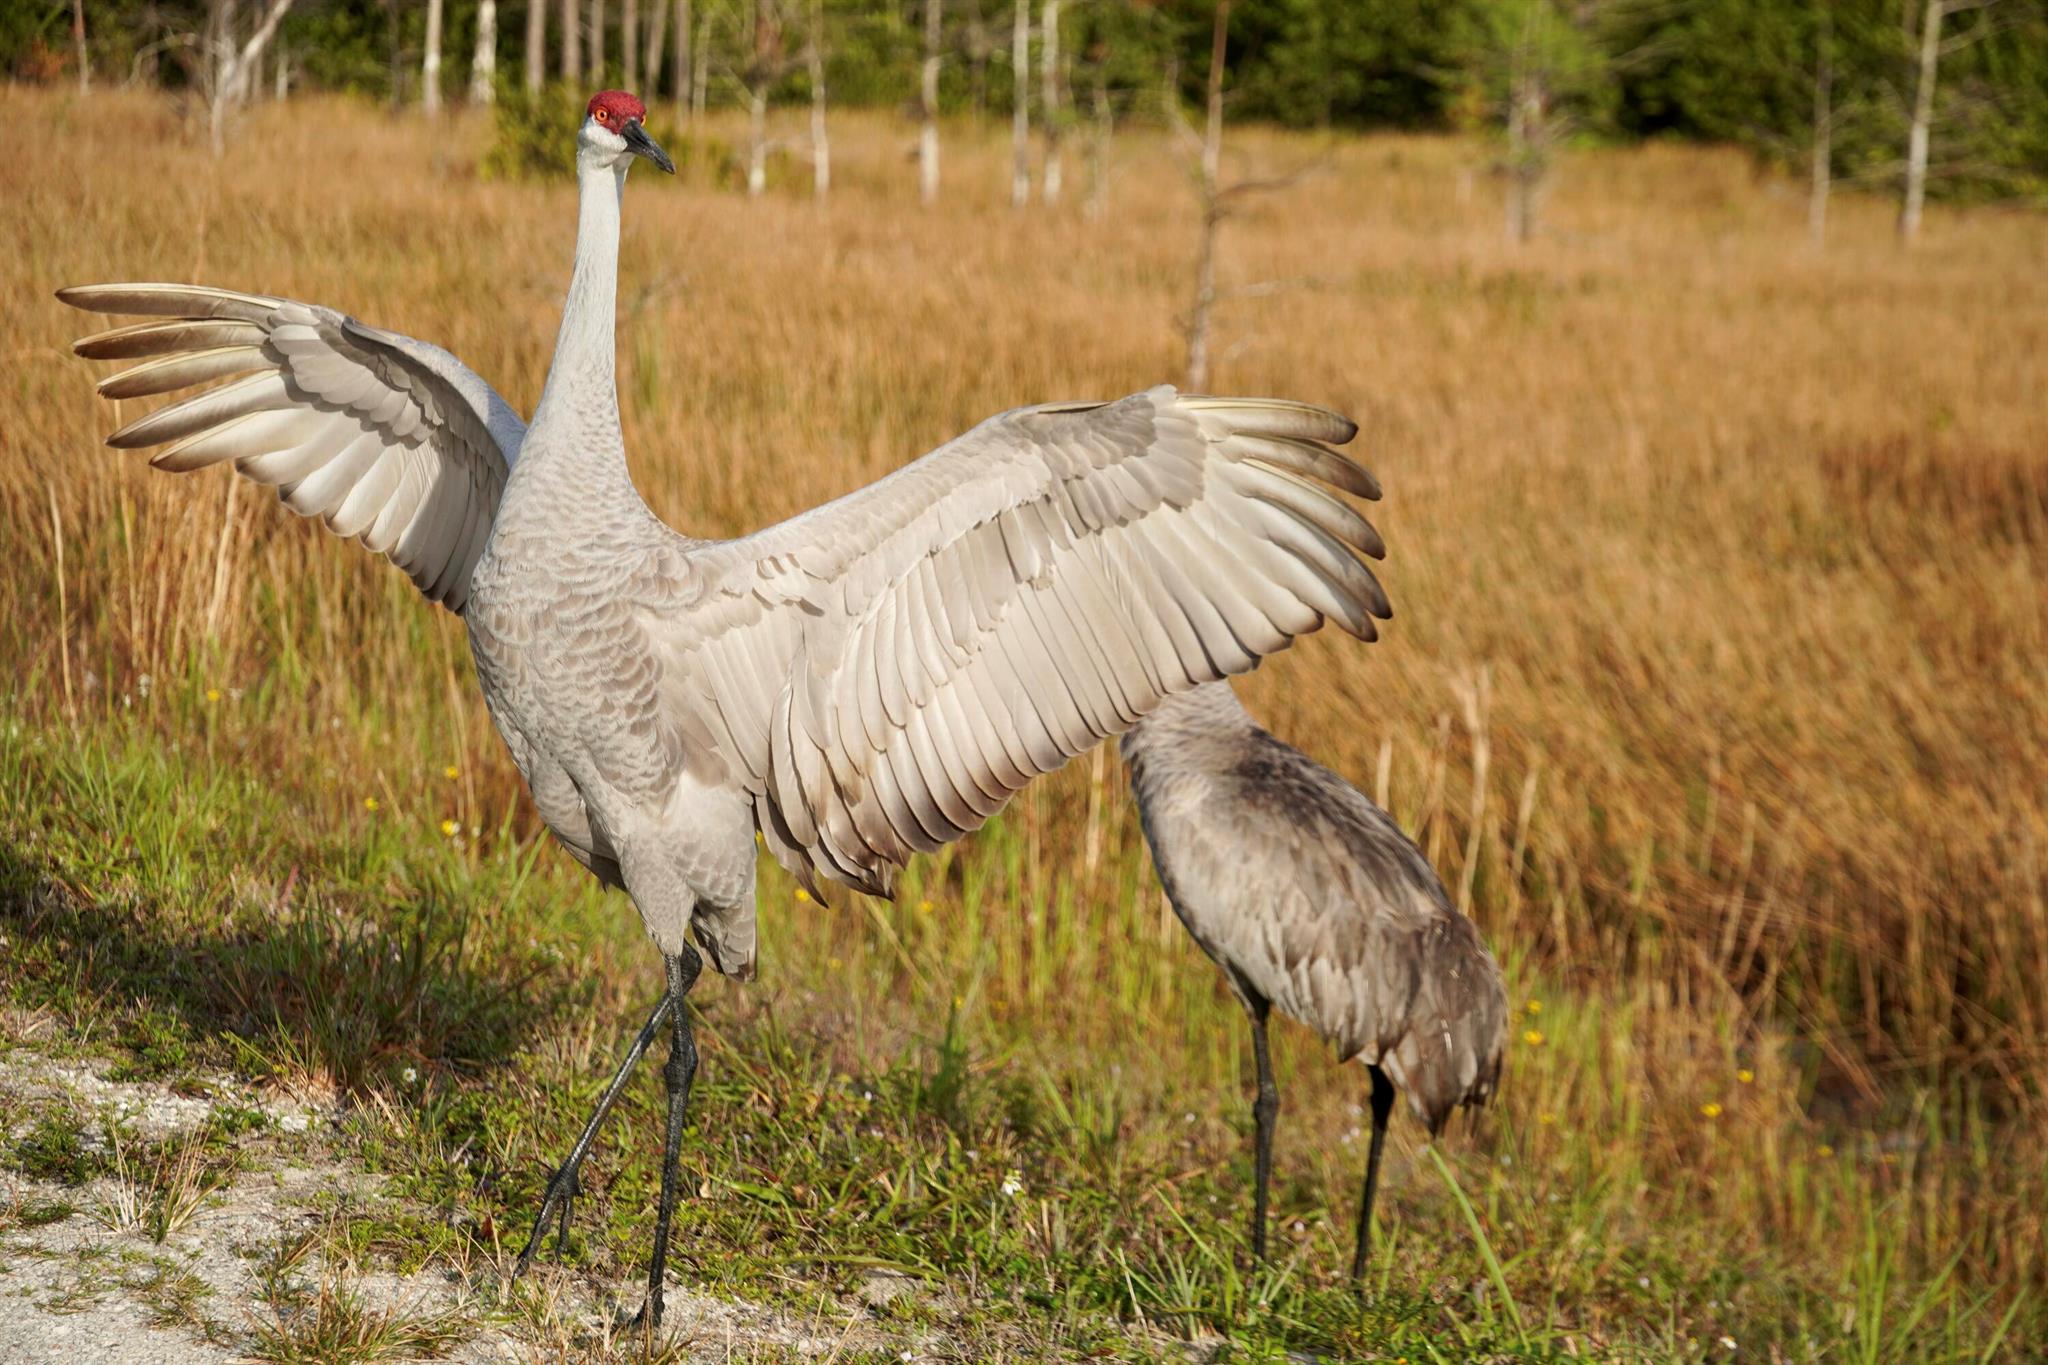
(1201, 713)
(577, 421)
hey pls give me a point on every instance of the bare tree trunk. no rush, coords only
(650, 55)
(1528, 146)
(979, 49)
(700, 57)
(682, 62)
(430, 68)
(1823, 132)
(1049, 98)
(629, 43)
(572, 45)
(78, 43)
(1212, 207)
(1920, 132)
(928, 107)
(281, 74)
(597, 26)
(536, 44)
(757, 137)
(1020, 103)
(231, 74)
(821, 147)
(483, 66)
(1098, 151)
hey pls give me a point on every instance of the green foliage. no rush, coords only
(1730, 70)
(54, 1149)
(533, 136)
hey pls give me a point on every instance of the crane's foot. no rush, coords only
(563, 1187)
(560, 1198)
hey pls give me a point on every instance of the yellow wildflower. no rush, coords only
(1826, 1150)
(213, 694)
(370, 803)
(1534, 1007)
(451, 772)
(449, 829)
(1533, 1037)
(925, 907)
(1546, 1119)
(1745, 1075)
(803, 897)
(1711, 1109)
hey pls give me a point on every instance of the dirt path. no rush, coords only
(149, 1261)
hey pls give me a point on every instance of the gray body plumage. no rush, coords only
(1311, 898)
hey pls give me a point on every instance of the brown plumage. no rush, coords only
(1311, 899)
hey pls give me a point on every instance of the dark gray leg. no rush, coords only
(562, 1188)
(1265, 1109)
(680, 1071)
(1382, 1108)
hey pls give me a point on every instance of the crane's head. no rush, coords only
(612, 132)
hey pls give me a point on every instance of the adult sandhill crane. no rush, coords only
(1309, 897)
(873, 678)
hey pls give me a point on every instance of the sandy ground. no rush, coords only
(82, 1279)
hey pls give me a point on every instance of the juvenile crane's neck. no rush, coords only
(1183, 729)
(576, 425)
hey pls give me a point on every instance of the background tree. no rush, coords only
(1539, 71)
(1738, 70)
(928, 103)
(1020, 102)
(1920, 127)
(1050, 83)
(536, 45)
(814, 61)
(430, 65)
(483, 63)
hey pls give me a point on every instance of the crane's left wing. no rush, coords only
(885, 671)
(386, 439)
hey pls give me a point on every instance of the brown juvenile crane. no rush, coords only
(1309, 897)
(872, 678)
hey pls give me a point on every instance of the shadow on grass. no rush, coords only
(308, 993)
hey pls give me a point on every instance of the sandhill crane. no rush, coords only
(873, 678)
(1309, 897)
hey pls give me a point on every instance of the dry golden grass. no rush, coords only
(1716, 687)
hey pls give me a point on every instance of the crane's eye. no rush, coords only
(603, 116)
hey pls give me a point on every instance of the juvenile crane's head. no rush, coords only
(612, 132)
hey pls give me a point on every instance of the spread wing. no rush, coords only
(386, 439)
(885, 671)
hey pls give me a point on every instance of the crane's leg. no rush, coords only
(562, 1187)
(1265, 1109)
(1382, 1109)
(680, 1071)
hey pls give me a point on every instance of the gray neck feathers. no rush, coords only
(576, 425)
(1204, 713)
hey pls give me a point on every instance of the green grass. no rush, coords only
(862, 1107)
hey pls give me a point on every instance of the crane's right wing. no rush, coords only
(386, 439)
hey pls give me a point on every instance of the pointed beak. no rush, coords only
(639, 144)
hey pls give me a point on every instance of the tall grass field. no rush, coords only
(1717, 691)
